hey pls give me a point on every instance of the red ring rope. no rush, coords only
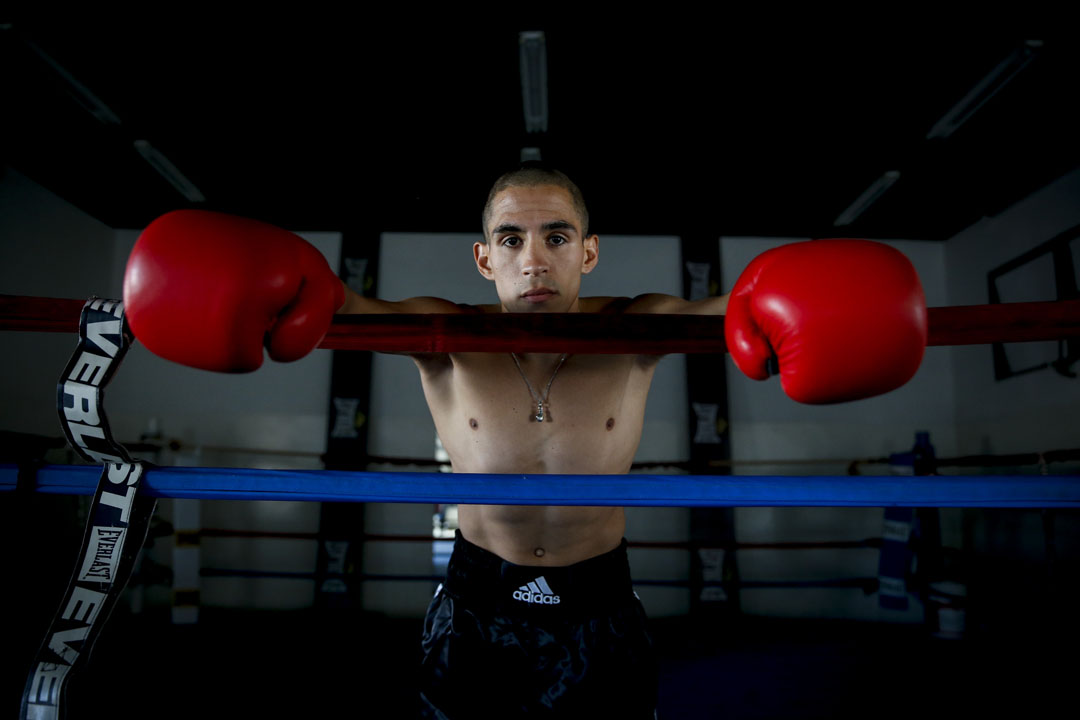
(589, 333)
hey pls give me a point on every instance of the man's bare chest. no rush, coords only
(515, 385)
(542, 411)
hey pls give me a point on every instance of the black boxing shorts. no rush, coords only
(506, 641)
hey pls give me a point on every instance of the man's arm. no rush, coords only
(657, 304)
(357, 304)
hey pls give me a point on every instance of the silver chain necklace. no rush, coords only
(540, 401)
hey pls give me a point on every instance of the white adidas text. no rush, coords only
(537, 592)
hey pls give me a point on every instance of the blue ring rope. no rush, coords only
(854, 583)
(1024, 491)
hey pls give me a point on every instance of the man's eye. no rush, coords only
(557, 240)
(511, 241)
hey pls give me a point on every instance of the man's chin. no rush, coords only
(552, 304)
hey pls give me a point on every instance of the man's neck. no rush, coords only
(575, 307)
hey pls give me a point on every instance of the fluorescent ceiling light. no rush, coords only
(986, 88)
(91, 102)
(868, 198)
(167, 170)
(532, 53)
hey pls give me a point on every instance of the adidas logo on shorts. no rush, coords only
(537, 592)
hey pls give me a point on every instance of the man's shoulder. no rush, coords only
(647, 303)
(609, 305)
(466, 309)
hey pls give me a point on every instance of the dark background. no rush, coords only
(721, 124)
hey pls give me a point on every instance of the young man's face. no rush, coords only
(536, 253)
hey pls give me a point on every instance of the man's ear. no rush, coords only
(592, 254)
(483, 260)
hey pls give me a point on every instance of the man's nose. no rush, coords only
(535, 261)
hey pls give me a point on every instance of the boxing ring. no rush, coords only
(582, 333)
(586, 333)
(632, 490)
(125, 489)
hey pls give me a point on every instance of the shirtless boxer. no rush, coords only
(536, 249)
(537, 615)
(486, 408)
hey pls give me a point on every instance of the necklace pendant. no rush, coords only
(539, 417)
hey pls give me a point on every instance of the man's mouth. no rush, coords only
(538, 295)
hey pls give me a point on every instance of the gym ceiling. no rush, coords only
(693, 128)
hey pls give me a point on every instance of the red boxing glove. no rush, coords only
(846, 319)
(208, 290)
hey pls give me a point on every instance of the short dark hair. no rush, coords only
(531, 174)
